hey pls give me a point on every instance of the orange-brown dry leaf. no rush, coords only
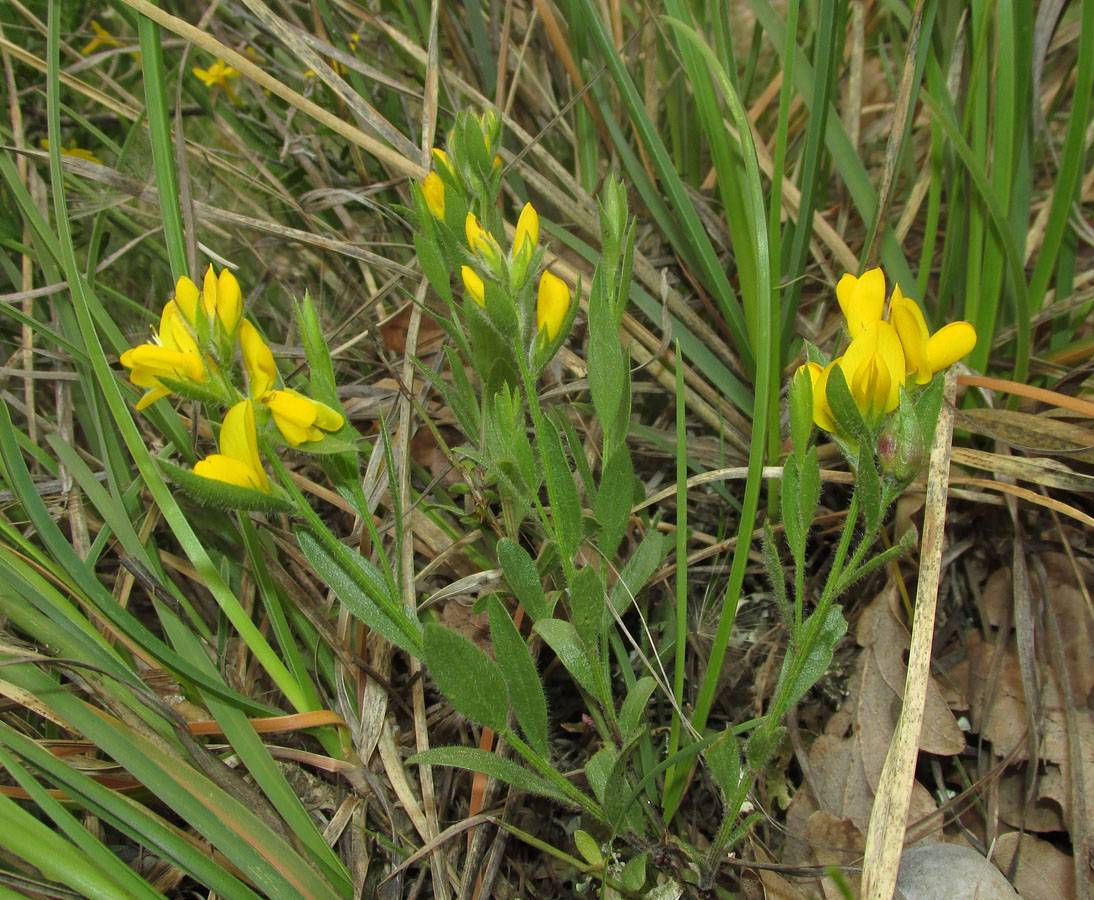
(1043, 873)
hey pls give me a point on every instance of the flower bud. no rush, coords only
(433, 189)
(900, 449)
(552, 304)
(473, 284)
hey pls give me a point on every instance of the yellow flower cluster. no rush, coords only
(885, 353)
(196, 341)
(553, 296)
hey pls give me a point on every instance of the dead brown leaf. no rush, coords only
(846, 760)
(1043, 872)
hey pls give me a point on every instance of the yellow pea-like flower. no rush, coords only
(552, 304)
(473, 285)
(173, 354)
(299, 418)
(238, 462)
(222, 298)
(217, 75)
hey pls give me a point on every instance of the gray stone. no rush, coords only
(950, 872)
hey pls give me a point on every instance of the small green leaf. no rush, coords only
(633, 875)
(469, 678)
(792, 521)
(561, 637)
(613, 499)
(844, 409)
(607, 369)
(519, 671)
(634, 705)
(868, 488)
(588, 606)
(433, 267)
(589, 848)
(475, 760)
(724, 759)
(928, 406)
(461, 397)
(809, 486)
(830, 632)
(777, 574)
(640, 567)
(800, 402)
(323, 385)
(360, 588)
(562, 493)
(761, 744)
(524, 581)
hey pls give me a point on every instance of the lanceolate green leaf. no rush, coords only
(469, 678)
(491, 764)
(521, 678)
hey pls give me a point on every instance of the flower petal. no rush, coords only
(239, 439)
(876, 337)
(951, 342)
(473, 284)
(433, 189)
(861, 299)
(552, 304)
(258, 360)
(224, 468)
(911, 327)
(209, 292)
(229, 301)
(186, 298)
(822, 412)
(527, 229)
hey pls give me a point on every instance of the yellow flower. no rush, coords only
(238, 462)
(299, 418)
(927, 353)
(103, 38)
(873, 366)
(527, 229)
(552, 304)
(218, 74)
(441, 158)
(433, 188)
(174, 354)
(73, 150)
(473, 284)
(861, 299)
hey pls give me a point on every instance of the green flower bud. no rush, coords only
(901, 451)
